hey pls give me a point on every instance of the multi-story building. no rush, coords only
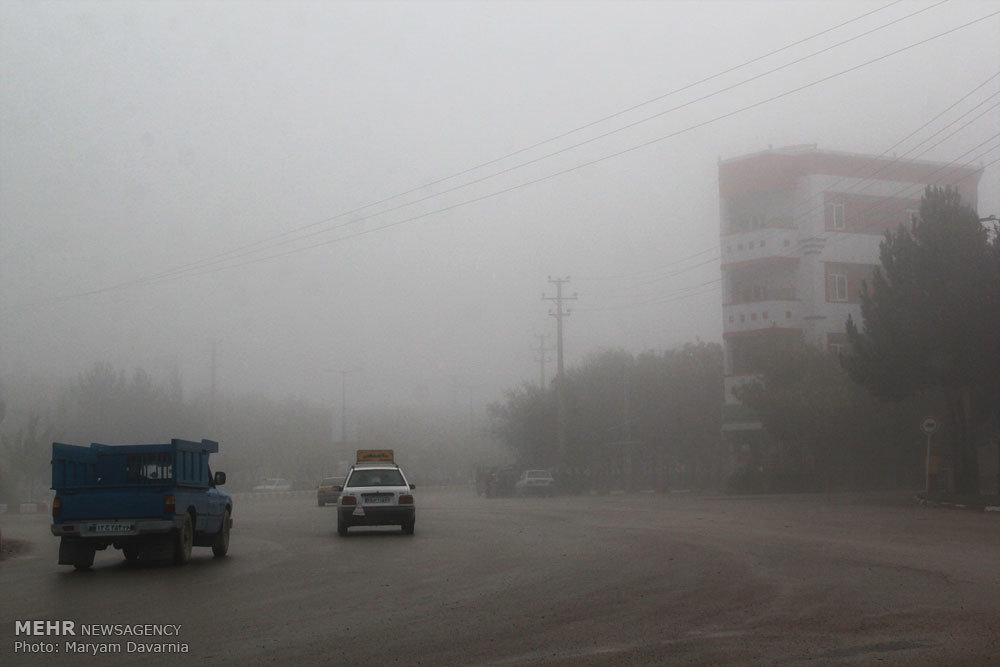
(800, 232)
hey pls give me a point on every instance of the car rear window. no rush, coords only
(378, 477)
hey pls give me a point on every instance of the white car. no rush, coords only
(376, 494)
(535, 482)
(273, 484)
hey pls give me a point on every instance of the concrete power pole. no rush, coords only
(542, 359)
(211, 395)
(559, 314)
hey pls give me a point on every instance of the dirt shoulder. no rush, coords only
(11, 548)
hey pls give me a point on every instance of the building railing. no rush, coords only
(753, 315)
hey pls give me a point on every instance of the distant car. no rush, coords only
(500, 482)
(535, 482)
(328, 490)
(376, 494)
(273, 484)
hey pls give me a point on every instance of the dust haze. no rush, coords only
(355, 208)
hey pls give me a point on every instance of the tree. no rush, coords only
(28, 452)
(926, 324)
(525, 422)
(829, 430)
(631, 419)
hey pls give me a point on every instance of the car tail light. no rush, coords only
(170, 505)
(56, 507)
(67, 528)
(406, 499)
(348, 500)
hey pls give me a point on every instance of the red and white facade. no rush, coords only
(800, 231)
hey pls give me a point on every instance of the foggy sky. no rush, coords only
(137, 138)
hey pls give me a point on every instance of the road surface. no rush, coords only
(593, 580)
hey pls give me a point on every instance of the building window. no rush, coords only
(761, 243)
(836, 349)
(757, 293)
(753, 316)
(743, 318)
(763, 315)
(838, 287)
(788, 314)
(837, 220)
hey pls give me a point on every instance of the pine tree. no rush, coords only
(926, 321)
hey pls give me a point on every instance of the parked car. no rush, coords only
(273, 484)
(500, 482)
(328, 490)
(535, 482)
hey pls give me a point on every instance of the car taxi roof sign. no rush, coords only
(375, 456)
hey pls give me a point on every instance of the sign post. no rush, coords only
(928, 426)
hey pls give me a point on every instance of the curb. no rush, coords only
(957, 506)
(24, 508)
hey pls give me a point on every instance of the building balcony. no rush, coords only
(757, 315)
(760, 244)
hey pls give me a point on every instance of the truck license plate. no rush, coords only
(111, 528)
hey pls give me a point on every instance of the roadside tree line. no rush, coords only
(928, 343)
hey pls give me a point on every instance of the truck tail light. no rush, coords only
(56, 507)
(406, 499)
(348, 500)
(170, 505)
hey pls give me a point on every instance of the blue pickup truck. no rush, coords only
(154, 502)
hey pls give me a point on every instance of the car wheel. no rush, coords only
(183, 541)
(84, 560)
(408, 528)
(220, 546)
(342, 527)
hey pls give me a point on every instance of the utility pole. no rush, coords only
(542, 359)
(343, 407)
(211, 394)
(559, 314)
(344, 373)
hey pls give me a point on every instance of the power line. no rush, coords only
(865, 183)
(579, 144)
(804, 214)
(266, 245)
(265, 242)
(621, 152)
(562, 172)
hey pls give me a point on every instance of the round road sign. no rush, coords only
(929, 424)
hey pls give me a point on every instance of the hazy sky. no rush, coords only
(175, 174)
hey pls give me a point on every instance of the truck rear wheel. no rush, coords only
(183, 541)
(84, 560)
(221, 544)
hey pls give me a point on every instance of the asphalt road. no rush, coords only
(641, 579)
